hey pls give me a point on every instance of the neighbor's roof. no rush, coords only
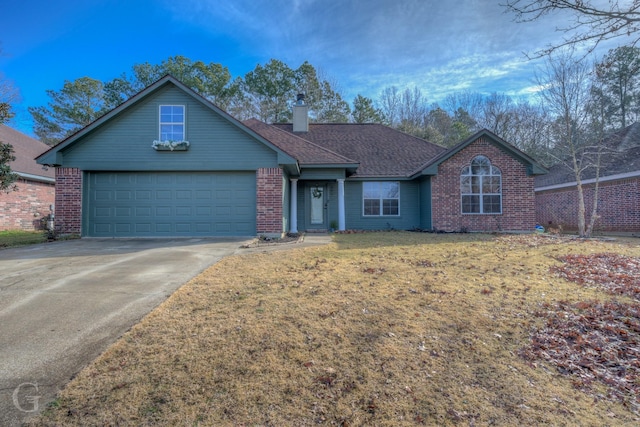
(621, 158)
(26, 149)
(380, 150)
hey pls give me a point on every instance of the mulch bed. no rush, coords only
(261, 241)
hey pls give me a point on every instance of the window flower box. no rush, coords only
(170, 145)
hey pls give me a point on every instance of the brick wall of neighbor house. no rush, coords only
(518, 212)
(269, 201)
(68, 208)
(618, 206)
(27, 208)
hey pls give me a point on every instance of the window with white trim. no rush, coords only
(172, 123)
(481, 187)
(381, 198)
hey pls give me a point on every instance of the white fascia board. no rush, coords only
(35, 177)
(619, 176)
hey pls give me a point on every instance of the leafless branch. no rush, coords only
(589, 26)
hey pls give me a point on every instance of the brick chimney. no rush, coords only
(300, 115)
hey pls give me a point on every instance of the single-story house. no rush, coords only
(168, 162)
(28, 206)
(618, 188)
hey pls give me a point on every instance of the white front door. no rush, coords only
(317, 205)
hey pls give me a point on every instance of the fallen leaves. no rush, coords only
(592, 341)
(614, 273)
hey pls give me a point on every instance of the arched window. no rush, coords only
(481, 187)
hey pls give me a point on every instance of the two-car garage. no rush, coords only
(166, 204)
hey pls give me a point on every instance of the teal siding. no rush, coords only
(124, 142)
(302, 207)
(425, 204)
(410, 212)
(304, 204)
(168, 204)
(411, 216)
(322, 174)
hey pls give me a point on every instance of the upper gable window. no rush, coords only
(381, 198)
(481, 187)
(172, 123)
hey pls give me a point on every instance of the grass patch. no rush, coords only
(11, 238)
(384, 329)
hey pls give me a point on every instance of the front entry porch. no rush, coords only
(317, 205)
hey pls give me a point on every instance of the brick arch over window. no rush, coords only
(481, 187)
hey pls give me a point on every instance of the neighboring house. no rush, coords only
(26, 208)
(618, 188)
(245, 179)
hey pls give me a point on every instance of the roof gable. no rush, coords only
(26, 149)
(54, 155)
(533, 167)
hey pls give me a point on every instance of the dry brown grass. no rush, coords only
(377, 329)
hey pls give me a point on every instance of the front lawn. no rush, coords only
(384, 329)
(19, 238)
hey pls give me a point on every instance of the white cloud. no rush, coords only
(370, 44)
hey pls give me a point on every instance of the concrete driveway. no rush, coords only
(64, 303)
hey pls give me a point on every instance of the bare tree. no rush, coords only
(413, 109)
(390, 100)
(567, 87)
(592, 22)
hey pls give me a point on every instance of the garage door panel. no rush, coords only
(123, 228)
(143, 211)
(203, 194)
(163, 211)
(183, 194)
(164, 195)
(143, 195)
(143, 228)
(183, 227)
(183, 211)
(171, 204)
(102, 228)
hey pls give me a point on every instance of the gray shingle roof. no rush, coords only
(622, 155)
(380, 150)
(26, 149)
(307, 153)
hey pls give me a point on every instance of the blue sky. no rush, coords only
(362, 46)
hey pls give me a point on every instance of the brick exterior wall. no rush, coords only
(618, 206)
(68, 201)
(269, 201)
(28, 207)
(518, 211)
